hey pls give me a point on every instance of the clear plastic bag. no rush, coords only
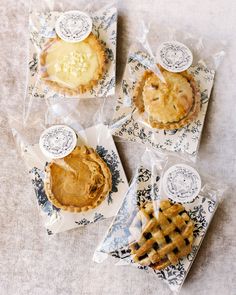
(152, 231)
(59, 69)
(79, 188)
(81, 122)
(129, 123)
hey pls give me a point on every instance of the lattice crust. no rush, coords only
(165, 234)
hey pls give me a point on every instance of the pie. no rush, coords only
(170, 105)
(165, 234)
(72, 68)
(79, 181)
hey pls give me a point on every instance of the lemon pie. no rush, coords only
(79, 181)
(72, 68)
(169, 105)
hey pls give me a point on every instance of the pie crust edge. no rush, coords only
(189, 118)
(52, 198)
(97, 46)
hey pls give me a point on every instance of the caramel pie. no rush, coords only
(169, 105)
(72, 68)
(165, 234)
(79, 181)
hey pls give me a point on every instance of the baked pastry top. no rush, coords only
(79, 181)
(169, 105)
(72, 68)
(162, 234)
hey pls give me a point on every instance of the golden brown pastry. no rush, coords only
(165, 234)
(72, 68)
(79, 181)
(169, 105)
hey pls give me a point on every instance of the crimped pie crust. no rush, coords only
(96, 186)
(97, 47)
(186, 119)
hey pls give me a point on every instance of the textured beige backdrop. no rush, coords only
(33, 263)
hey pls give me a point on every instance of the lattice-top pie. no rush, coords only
(72, 68)
(79, 181)
(169, 105)
(162, 233)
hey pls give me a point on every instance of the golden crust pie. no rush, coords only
(79, 181)
(169, 105)
(72, 68)
(165, 234)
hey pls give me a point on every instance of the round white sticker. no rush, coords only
(74, 26)
(181, 183)
(174, 56)
(57, 141)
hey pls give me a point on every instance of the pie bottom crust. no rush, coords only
(89, 155)
(190, 117)
(94, 42)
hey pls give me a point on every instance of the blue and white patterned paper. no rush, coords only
(42, 27)
(145, 187)
(57, 220)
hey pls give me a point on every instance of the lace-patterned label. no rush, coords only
(73, 26)
(174, 56)
(181, 183)
(57, 141)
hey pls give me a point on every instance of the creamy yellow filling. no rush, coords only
(71, 64)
